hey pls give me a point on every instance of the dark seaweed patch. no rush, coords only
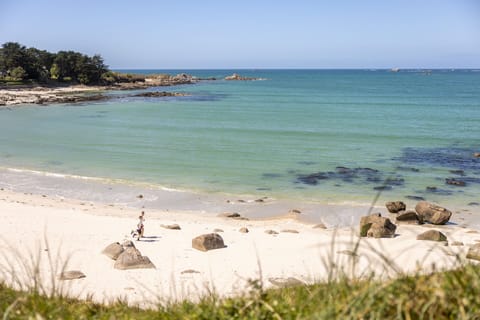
(445, 157)
(271, 175)
(416, 198)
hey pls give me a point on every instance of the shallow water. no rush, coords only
(323, 136)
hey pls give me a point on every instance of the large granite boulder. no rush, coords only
(432, 213)
(131, 258)
(432, 235)
(395, 206)
(408, 217)
(207, 242)
(113, 250)
(376, 226)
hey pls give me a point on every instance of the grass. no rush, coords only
(453, 294)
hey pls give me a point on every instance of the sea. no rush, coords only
(314, 136)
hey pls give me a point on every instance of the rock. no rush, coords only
(113, 250)
(286, 282)
(473, 204)
(131, 258)
(271, 232)
(456, 243)
(71, 275)
(243, 230)
(236, 76)
(189, 271)
(376, 226)
(476, 155)
(217, 230)
(395, 207)
(289, 231)
(474, 252)
(233, 215)
(207, 242)
(409, 217)
(416, 198)
(152, 94)
(128, 244)
(320, 226)
(455, 182)
(171, 226)
(294, 212)
(432, 213)
(432, 235)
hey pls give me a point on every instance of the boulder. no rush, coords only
(395, 206)
(243, 230)
(376, 226)
(476, 155)
(432, 213)
(207, 242)
(474, 252)
(409, 217)
(71, 275)
(113, 250)
(131, 258)
(432, 235)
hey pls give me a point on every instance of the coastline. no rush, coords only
(74, 232)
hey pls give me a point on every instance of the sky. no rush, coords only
(222, 34)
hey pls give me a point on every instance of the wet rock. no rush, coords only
(320, 226)
(382, 188)
(152, 94)
(473, 204)
(376, 226)
(411, 169)
(229, 215)
(294, 212)
(113, 250)
(474, 252)
(395, 206)
(409, 217)
(71, 275)
(476, 155)
(208, 242)
(435, 190)
(416, 198)
(131, 258)
(432, 235)
(432, 213)
(455, 182)
(445, 157)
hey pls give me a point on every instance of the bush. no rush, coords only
(18, 74)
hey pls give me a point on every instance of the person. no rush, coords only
(140, 226)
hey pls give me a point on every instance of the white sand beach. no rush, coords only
(63, 235)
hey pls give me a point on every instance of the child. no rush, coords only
(140, 226)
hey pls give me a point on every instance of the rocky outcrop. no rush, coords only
(395, 206)
(131, 258)
(236, 76)
(207, 242)
(376, 226)
(432, 213)
(432, 235)
(408, 217)
(113, 250)
(152, 94)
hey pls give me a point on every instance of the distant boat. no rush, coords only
(394, 70)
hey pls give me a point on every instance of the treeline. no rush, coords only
(18, 63)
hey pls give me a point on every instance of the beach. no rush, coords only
(66, 234)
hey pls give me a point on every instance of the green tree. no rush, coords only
(18, 74)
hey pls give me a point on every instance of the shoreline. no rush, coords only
(74, 233)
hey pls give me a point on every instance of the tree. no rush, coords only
(18, 74)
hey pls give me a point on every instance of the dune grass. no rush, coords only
(453, 294)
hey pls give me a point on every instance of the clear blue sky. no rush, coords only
(252, 34)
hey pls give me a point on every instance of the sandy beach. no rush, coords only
(64, 234)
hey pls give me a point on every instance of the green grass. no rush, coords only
(452, 294)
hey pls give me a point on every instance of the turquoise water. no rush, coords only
(284, 136)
